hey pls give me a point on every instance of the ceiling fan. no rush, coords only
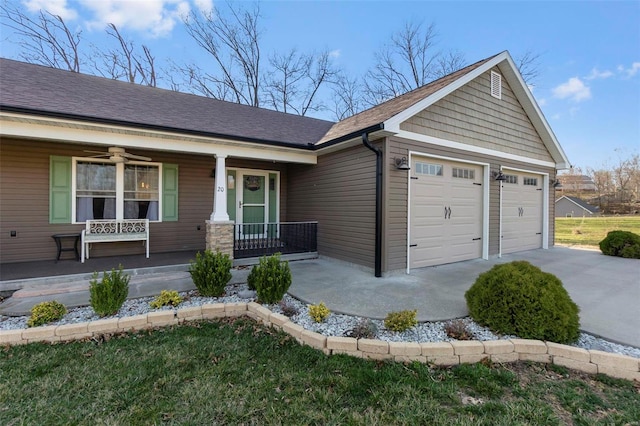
(117, 155)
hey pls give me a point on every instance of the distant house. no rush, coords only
(576, 183)
(575, 207)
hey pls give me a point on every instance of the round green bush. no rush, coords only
(46, 312)
(211, 272)
(621, 244)
(518, 298)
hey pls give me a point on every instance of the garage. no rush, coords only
(522, 211)
(446, 211)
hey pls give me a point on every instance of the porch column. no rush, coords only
(219, 213)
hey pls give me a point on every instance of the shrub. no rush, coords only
(46, 312)
(622, 244)
(401, 320)
(272, 278)
(364, 329)
(288, 309)
(518, 298)
(211, 272)
(166, 298)
(253, 278)
(319, 312)
(458, 330)
(108, 295)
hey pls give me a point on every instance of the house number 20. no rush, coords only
(221, 189)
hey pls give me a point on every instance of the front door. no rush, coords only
(253, 203)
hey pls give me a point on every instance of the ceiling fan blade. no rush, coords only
(135, 157)
(97, 152)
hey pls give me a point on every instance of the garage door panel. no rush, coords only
(522, 202)
(446, 212)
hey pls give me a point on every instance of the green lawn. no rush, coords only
(591, 230)
(238, 372)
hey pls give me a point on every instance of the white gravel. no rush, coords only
(334, 325)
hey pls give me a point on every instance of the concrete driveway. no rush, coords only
(607, 289)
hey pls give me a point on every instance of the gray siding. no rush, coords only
(338, 192)
(397, 187)
(566, 207)
(24, 202)
(471, 115)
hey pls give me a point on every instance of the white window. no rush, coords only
(428, 169)
(511, 179)
(496, 85)
(106, 190)
(530, 181)
(463, 173)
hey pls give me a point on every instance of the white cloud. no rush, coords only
(574, 89)
(542, 102)
(635, 67)
(55, 7)
(595, 74)
(204, 6)
(334, 54)
(157, 17)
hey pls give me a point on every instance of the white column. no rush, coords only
(219, 213)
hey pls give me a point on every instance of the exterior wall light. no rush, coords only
(499, 176)
(401, 163)
(556, 183)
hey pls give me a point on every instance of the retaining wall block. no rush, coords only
(161, 318)
(586, 367)
(253, 307)
(444, 360)
(373, 346)
(544, 358)
(235, 309)
(189, 314)
(313, 339)
(103, 326)
(71, 329)
(213, 310)
(504, 358)
(405, 348)
(52, 339)
(294, 330)
(35, 334)
(618, 361)
(619, 373)
(494, 347)
(528, 346)
(435, 349)
(10, 336)
(136, 322)
(342, 343)
(577, 354)
(410, 358)
(278, 319)
(263, 314)
(467, 347)
(472, 358)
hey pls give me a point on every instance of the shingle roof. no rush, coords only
(57, 92)
(384, 111)
(580, 202)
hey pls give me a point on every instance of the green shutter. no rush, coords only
(273, 200)
(59, 189)
(170, 192)
(231, 195)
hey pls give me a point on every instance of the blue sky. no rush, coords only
(589, 87)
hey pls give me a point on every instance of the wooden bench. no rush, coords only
(112, 230)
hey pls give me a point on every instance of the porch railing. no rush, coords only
(260, 239)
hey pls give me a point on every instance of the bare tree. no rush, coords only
(46, 39)
(233, 43)
(406, 63)
(124, 62)
(529, 66)
(347, 97)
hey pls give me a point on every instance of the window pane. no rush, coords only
(95, 191)
(141, 194)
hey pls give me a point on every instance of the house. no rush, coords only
(576, 183)
(575, 207)
(406, 184)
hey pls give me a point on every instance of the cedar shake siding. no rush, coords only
(24, 185)
(396, 183)
(471, 115)
(338, 192)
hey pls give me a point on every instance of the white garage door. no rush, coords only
(446, 212)
(522, 196)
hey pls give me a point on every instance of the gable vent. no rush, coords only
(496, 85)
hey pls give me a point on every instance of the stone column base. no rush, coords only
(219, 237)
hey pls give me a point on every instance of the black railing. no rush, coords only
(260, 239)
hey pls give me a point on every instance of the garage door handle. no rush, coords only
(413, 245)
(447, 212)
(476, 239)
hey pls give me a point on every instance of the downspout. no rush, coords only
(378, 243)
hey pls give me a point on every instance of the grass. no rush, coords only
(590, 231)
(239, 372)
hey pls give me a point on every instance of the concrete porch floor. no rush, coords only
(607, 289)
